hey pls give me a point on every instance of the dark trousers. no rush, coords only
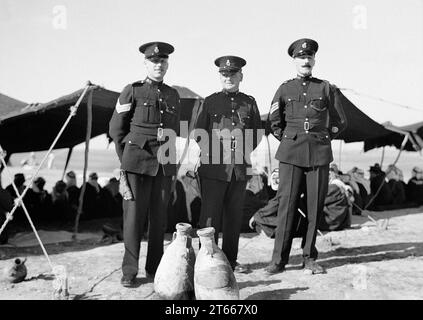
(292, 182)
(151, 197)
(221, 208)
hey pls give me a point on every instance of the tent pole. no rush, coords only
(87, 146)
(67, 161)
(383, 156)
(402, 148)
(269, 154)
(6, 157)
(340, 154)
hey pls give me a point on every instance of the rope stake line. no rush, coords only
(381, 99)
(26, 213)
(87, 146)
(19, 199)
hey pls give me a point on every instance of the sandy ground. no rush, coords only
(364, 262)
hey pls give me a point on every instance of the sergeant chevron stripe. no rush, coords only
(122, 107)
(274, 107)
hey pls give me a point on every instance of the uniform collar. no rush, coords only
(153, 82)
(304, 78)
(230, 94)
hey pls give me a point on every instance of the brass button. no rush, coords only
(304, 94)
(161, 124)
(304, 83)
(233, 123)
(305, 107)
(306, 131)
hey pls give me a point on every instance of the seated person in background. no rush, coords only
(337, 210)
(380, 191)
(414, 189)
(361, 200)
(6, 205)
(338, 205)
(93, 206)
(113, 197)
(396, 186)
(73, 192)
(341, 181)
(60, 199)
(38, 201)
(334, 167)
(19, 180)
(252, 201)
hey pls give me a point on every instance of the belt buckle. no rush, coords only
(159, 134)
(233, 144)
(306, 125)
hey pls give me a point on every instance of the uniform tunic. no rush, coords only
(224, 177)
(142, 111)
(305, 115)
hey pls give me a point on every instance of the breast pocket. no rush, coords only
(216, 120)
(243, 118)
(290, 102)
(147, 111)
(318, 103)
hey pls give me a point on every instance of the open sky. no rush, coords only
(50, 48)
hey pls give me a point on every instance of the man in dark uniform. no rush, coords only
(226, 116)
(144, 110)
(305, 116)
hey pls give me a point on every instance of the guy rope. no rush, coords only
(58, 271)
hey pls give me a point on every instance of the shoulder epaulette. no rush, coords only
(285, 82)
(331, 85)
(248, 96)
(138, 83)
(214, 94)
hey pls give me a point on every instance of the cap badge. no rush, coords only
(228, 63)
(156, 49)
(304, 45)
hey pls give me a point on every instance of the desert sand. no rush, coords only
(363, 262)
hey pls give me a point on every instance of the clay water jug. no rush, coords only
(16, 272)
(174, 279)
(213, 275)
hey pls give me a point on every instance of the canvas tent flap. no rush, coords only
(33, 127)
(396, 135)
(359, 126)
(9, 105)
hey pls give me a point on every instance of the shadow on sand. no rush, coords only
(355, 255)
(280, 294)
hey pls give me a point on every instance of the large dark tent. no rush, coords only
(395, 137)
(8, 104)
(360, 126)
(33, 127)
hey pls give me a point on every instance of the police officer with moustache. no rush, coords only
(226, 115)
(306, 114)
(144, 109)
